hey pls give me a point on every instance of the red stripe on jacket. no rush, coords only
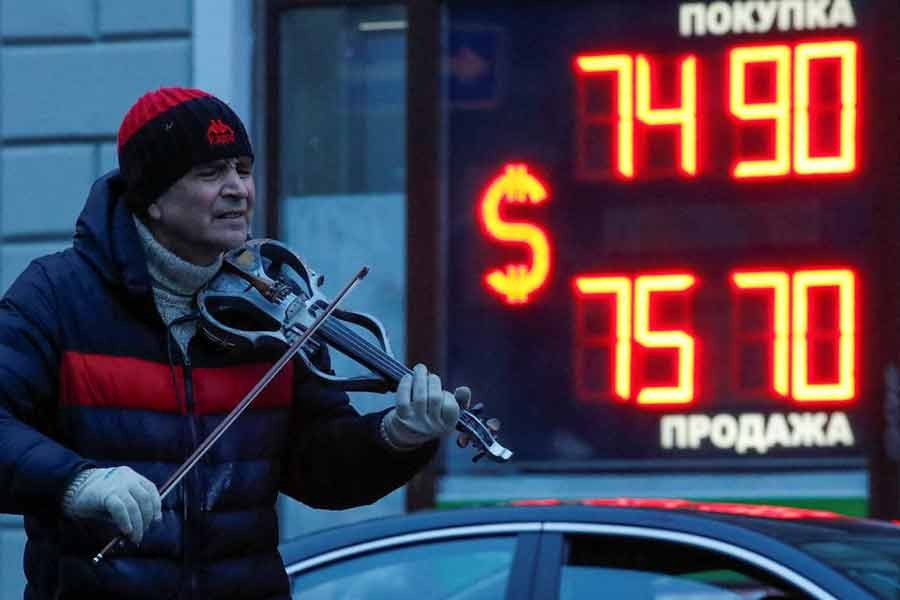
(104, 381)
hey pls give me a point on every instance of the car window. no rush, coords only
(641, 569)
(873, 562)
(466, 569)
(868, 552)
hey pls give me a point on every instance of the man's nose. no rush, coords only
(235, 185)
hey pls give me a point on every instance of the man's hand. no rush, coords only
(120, 494)
(424, 410)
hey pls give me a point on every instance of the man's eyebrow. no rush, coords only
(213, 163)
(239, 161)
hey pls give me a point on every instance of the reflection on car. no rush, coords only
(625, 548)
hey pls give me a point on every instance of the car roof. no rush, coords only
(760, 536)
(770, 538)
(746, 529)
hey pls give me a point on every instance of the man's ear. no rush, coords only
(154, 212)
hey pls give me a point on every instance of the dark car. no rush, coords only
(619, 549)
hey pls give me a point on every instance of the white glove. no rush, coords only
(120, 494)
(424, 410)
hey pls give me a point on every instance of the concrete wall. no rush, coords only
(68, 72)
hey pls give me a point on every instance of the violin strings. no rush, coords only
(375, 354)
(352, 341)
(349, 342)
(381, 361)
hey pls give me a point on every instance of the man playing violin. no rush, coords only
(106, 388)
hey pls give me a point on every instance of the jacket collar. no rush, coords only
(105, 235)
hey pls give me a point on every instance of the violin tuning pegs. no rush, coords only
(463, 440)
(479, 456)
(493, 424)
(477, 408)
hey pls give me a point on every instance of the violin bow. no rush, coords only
(220, 429)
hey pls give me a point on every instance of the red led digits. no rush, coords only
(798, 104)
(684, 116)
(779, 283)
(808, 112)
(644, 288)
(619, 66)
(841, 330)
(808, 332)
(634, 97)
(805, 58)
(776, 109)
(810, 335)
(619, 290)
(516, 282)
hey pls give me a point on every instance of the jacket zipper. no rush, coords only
(191, 414)
(185, 513)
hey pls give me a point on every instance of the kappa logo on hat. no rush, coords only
(219, 133)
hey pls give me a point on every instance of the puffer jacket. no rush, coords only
(91, 376)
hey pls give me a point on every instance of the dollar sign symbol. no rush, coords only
(515, 282)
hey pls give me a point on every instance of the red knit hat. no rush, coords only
(169, 131)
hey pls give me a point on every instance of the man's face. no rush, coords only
(207, 211)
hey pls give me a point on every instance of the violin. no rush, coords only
(201, 450)
(265, 296)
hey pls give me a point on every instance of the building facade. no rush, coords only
(510, 198)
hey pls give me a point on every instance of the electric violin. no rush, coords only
(217, 432)
(265, 296)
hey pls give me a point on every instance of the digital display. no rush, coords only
(805, 128)
(803, 322)
(661, 226)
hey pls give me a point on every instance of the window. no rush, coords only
(341, 157)
(641, 569)
(342, 109)
(470, 569)
(870, 556)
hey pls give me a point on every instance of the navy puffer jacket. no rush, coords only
(90, 376)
